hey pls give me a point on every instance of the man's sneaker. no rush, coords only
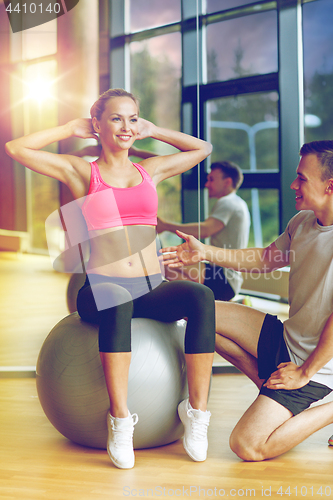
(196, 424)
(330, 441)
(120, 440)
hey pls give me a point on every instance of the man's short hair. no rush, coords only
(229, 169)
(324, 152)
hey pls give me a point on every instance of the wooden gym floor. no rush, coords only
(36, 462)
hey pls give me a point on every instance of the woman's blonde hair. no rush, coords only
(98, 107)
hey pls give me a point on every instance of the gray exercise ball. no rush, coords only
(76, 281)
(72, 391)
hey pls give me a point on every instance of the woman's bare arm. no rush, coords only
(27, 150)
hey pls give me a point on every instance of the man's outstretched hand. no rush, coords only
(190, 252)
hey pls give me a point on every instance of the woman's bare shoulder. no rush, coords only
(78, 176)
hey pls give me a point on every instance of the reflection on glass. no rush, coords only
(40, 110)
(217, 5)
(242, 47)
(318, 69)
(155, 79)
(244, 129)
(268, 200)
(146, 14)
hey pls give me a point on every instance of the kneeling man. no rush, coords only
(290, 362)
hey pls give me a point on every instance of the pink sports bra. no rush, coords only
(106, 206)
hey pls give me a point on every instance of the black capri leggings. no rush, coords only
(166, 302)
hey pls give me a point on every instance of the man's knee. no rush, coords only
(245, 448)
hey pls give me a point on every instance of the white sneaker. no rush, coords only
(196, 424)
(120, 440)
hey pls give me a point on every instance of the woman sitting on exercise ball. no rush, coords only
(119, 202)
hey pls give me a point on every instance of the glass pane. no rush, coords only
(318, 69)
(41, 112)
(264, 209)
(155, 79)
(244, 129)
(149, 13)
(217, 5)
(242, 47)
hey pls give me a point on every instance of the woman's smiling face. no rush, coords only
(118, 125)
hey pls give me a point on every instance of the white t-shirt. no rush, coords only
(234, 213)
(310, 287)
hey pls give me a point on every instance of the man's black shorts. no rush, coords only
(272, 351)
(215, 280)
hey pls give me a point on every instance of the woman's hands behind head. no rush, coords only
(83, 128)
(145, 129)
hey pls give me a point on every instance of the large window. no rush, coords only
(146, 14)
(40, 112)
(52, 74)
(155, 79)
(239, 105)
(244, 130)
(242, 46)
(146, 58)
(34, 108)
(238, 84)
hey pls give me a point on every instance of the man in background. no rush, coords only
(227, 226)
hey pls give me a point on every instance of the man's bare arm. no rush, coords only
(245, 260)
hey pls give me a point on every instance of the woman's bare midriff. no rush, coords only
(127, 252)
